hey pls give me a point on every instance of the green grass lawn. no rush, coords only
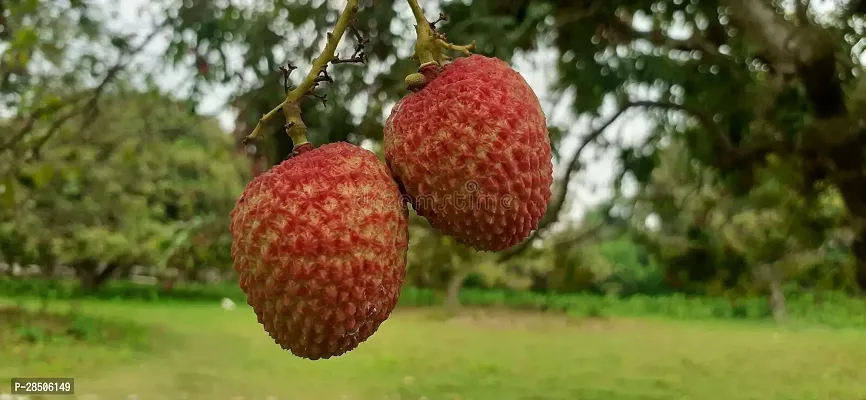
(204, 352)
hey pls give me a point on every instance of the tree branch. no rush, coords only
(856, 7)
(295, 127)
(35, 115)
(573, 164)
(429, 44)
(5, 33)
(579, 13)
(656, 36)
(582, 235)
(802, 7)
(91, 104)
(808, 51)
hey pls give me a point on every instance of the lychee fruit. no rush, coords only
(319, 243)
(472, 152)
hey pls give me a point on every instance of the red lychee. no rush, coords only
(319, 244)
(472, 152)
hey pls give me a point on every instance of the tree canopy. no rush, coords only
(752, 168)
(140, 184)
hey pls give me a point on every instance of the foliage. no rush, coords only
(147, 183)
(120, 290)
(26, 325)
(713, 241)
(828, 308)
(753, 161)
(434, 258)
(38, 57)
(57, 59)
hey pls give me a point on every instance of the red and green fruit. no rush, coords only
(319, 243)
(471, 150)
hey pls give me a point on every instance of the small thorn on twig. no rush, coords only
(324, 76)
(359, 54)
(323, 97)
(330, 34)
(442, 17)
(286, 71)
(358, 57)
(357, 35)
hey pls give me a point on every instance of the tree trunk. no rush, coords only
(777, 299)
(772, 275)
(540, 282)
(91, 276)
(859, 249)
(452, 298)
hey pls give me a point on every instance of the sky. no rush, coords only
(588, 187)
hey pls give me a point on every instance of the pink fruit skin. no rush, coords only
(472, 152)
(319, 244)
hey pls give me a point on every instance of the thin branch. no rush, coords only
(465, 49)
(570, 17)
(287, 72)
(6, 32)
(555, 207)
(658, 37)
(91, 104)
(318, 73)
(55, 126)
(573, 165)
(327, 55)
(429, 44)
(442, 17)
(38, 113)
(323, 76)
(360, 43)
(322, 97)
(760, 21)
(856, 7)
(358, 58)
(584, 234)
(803, 11)
(809, 51)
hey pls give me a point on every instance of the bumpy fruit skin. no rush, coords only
(472, 152)
(320, 243)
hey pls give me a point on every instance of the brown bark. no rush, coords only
(772, 275)
(452, 298)
(807, 51)
(777, 301)
(837, 136)
(90, 276)
(859, 248)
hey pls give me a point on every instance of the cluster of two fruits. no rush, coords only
(320, 241)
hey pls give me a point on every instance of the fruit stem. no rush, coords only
(295, 127)
(430, 45)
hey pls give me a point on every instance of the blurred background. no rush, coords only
(706, 238)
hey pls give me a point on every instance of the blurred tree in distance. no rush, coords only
(146, 180)
(756, 109)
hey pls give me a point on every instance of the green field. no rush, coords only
(189, 351)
